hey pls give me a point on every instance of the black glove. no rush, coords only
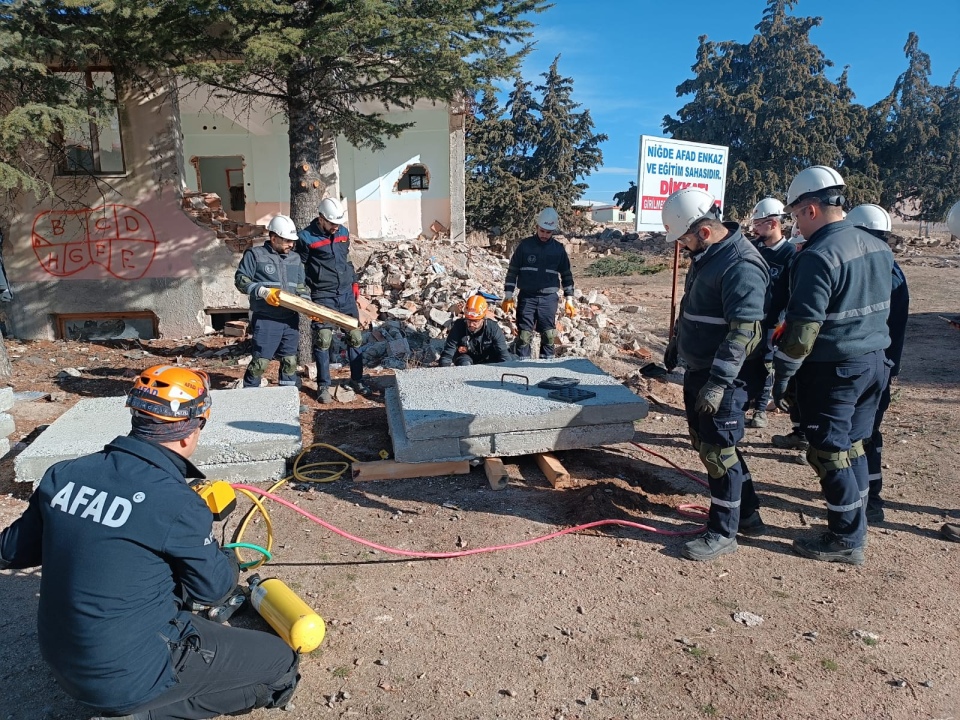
(671, 355)
(783, 396)
(709, 398)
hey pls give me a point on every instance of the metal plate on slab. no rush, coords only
(556, 382)
(571, 394)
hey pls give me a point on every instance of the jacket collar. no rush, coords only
(158, 456)
(826, 231)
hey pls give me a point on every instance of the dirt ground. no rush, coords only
(600, 624)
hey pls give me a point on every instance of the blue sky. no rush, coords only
(627, 57)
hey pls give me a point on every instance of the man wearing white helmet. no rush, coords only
(833, 343)
(264, 271)
(767, 219)
(876, 221)
(539, 269)
(718, 328)
(324, 247)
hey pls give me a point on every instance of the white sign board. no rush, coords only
(667, 166)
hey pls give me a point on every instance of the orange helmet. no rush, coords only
(476, 308)
(171, 393)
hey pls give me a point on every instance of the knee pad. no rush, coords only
(355, 338)
(524, 338)
(856, 450)
(718, 460)
(694, 439)
(824, 461)
(258, 366)
(288, 365)
(323, 338)
(549, 336)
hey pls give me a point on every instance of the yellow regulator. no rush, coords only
(292, 619)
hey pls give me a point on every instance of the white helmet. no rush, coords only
(768, 207)
(331, 211)
(548, 219)
(814, 179)
(953, 219)
(870, 217)
(283, 226)
(683, 208)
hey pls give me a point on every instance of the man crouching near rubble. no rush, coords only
(124, 543)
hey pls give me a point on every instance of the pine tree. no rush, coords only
(771, 102)
(545, 148)
(314, 61)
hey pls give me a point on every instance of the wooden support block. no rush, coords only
(556, 473)
(235, 328)
(496, 473)
(306, 307)
(393, 470)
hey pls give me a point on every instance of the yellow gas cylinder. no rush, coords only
(293, 620)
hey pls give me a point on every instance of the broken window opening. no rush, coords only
(414, 177)
(97, 148)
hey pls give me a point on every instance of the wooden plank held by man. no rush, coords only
(314, 311)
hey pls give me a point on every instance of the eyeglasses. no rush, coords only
(798, 211)
(764, 221)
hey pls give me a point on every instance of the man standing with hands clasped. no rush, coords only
(834, 341)
(718, 327)
(539, 269)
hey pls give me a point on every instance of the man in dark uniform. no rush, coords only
(834, 341)
(125, 545)
(719, 326)
(324, 247)
(539, 268)
(876, 221)
(263, 271)
(474, 339)
(778, 254)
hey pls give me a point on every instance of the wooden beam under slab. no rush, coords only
(556, 473)
(393, 470)
(496, 472)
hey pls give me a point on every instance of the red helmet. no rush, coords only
(171, 393)
(476, 308)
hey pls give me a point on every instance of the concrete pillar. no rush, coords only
(458, 217)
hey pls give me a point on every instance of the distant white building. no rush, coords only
(610, 213)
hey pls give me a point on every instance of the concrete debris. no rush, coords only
(747, 618)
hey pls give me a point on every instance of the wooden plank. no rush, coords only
(556, 473)
(496, 473)
(393, 470)
(306, 307)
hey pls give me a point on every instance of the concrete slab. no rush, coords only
(250, 436)
(505, 444)
(7, 399)
(489, 399)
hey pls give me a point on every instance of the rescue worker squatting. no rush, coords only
(126, 545)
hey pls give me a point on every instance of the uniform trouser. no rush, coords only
(537, 313)
(756, 374)
(874, 451)
(224, 671)
(715, 437)
(274, 339)
(344, 303)
(838, 405)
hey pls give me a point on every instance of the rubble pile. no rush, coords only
(206, 209)
(410, 294)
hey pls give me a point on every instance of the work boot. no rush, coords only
(795, 440)
(358, 387)
(758, 420)
(752, 525)
(323, 394)
(874, 510)
(828, 548)
(950, 532)
(709, 546)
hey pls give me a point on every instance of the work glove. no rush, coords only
(263, 291)
(509, 304)
(356, 291)
(671, 355)
(569, 308)
(783, 396)
(272, 297)
(709, 399)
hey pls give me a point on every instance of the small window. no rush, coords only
(95, 149)
(415, 177)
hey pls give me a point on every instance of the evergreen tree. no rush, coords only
(545, 148)
(312, 60)
(771, 102)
